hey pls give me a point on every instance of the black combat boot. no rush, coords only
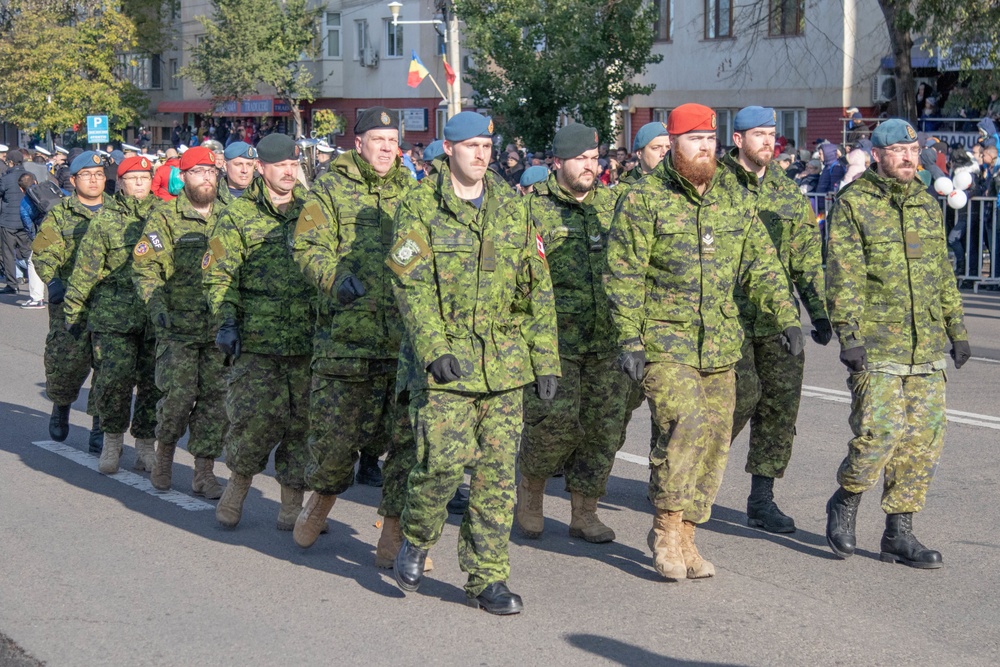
(459, 503)
(761, 510)
(900, 545)
(409, 566)
(368, 471)
(841, 513)
(59, 422)
(96, 437)
(497, 599)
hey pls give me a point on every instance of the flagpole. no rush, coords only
(440, 92)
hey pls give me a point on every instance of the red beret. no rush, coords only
(691, 118)
(196, 156)
(134, 163)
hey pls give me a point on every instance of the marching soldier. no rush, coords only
(650, 145)
(240, 162)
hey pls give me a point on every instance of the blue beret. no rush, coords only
(117, 156)
(750, 117)
(647, 133)
(434, 149)
(467, 125)
(85, 160)
(893, 131)
(240, 149)
(533, 175)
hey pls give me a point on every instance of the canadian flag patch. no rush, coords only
(541, 246)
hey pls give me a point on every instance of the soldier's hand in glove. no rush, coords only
(547, 385)
(228, 340)
(823, 331)
(792, 340)
(960, 352)
(163, 321)
(57, 291)
(855, 358)
(75, 329)
(633, 364)
(445, 369)
(350, 289)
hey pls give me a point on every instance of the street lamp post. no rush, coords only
(454, 51)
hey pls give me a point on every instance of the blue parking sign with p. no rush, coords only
(97, 129)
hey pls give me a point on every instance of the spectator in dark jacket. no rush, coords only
(833, 170)
(12, 235)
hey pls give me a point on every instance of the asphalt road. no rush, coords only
(100, 571)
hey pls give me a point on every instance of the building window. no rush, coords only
(393, 40)
(155, 72)
(174, 68)
(440, 119)
(792, 125)
(142, 71)
(724, 134)
(663, 27)
(718, 19)
(361, 32)
(332, 27)
(660, 115)
(788, 18)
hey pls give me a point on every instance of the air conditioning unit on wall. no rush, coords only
(883, 88)
(369, 58)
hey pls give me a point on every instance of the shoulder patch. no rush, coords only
(541, 245)
(142, 247)
(403, 256)
(311, 217)
(217, 249)
(44, 239)
(206, 261)
(154, 239)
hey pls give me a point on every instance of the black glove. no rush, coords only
(228, 340)
(547, 385)
(445, 369)
(792, 340)
(823, 331)
(350, 289)
(855, 358)
(163, 321)
(633, 364)
(57, 291)
(75, 329)
(960, 352)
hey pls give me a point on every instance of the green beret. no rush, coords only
(573, 140)
(647, 133)
(377, 118)
(277, 147)
(468, 125)
(893, 131)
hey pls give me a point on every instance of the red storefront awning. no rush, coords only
(184, 106)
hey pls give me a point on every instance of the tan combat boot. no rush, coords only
(667, 556)
(389, 543)
(311, 520)
(163, 468)
(145, 454)
(205, 482)
(229, 511)
(697, 567)
(291, 505)
(112, 451)
(530, 498)
(584, 522)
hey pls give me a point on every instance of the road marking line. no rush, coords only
(956, 416)
(632, 458)
(986, 359)
(125, 477)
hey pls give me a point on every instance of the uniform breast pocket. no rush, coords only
(359, 230)
(456, 257)
(675, 252)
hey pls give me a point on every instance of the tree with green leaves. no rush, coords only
(253, 43)
(538, 59)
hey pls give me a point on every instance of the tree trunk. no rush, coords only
(902, 44)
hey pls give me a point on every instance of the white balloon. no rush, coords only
(943, 186)
(963, 181)
(958, 199)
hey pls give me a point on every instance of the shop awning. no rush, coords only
(252, 106)
(184, 106)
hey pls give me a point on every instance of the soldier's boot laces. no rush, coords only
(311, 520)
(697, 567)
(291, 507)
(900, 545)
(145, 454)
(163, 467)
(229, 511)
(59, 422)
(113, 442)
(96, 440)
(529, 514)
(389, 543)
(205, 483)
(841, 514)
(585, 522)
(368, 471)
(762, 512)
(667, 555)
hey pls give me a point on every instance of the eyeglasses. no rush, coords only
(204, 172)
(90, 175)
(138, 178)
(900, 151)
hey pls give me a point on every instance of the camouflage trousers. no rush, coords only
(898, 423)
(694, 413)
(268, 405)
(768, 391)
(352, 408)
(633, 401)
(580, 430)
(126, 361)
(68, 362)
(191, 378)
(455, 431)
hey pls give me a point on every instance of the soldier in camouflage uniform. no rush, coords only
(68, 359)
(651, 144)
(894, 306)
(101, 293)
(579, 431)
(768, 379)
(681, 240)
(476, 299)
(265, 311)
(234, 179)
(189, 370)
(341, 240)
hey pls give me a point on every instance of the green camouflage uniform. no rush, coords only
(675, 258)
(472, 283)
(891, 289)
(629, 178)
(189, 370)
(579, 431)
(68, 360)
(252, 280)
(768, 379)
(101, 291)
(345, 229)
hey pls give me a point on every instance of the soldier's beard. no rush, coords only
(201, 195)
(697, 170)
(895, 171)
(761, 158)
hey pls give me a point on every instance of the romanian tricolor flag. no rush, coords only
(449, 73)
(417, 71)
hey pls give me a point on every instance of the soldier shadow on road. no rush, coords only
(618, 652)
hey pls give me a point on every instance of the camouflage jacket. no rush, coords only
(576, 248)
(675, 258)
(251, 278)
(55, 248)
(222, 193)
(103, 271)
(890, 284)
(629, 178)
(791, 224)
(473, 283)
(167, 266)
(345, 229)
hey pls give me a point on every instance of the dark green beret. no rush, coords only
(573, 140)
(277, 148)
(376, 118)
